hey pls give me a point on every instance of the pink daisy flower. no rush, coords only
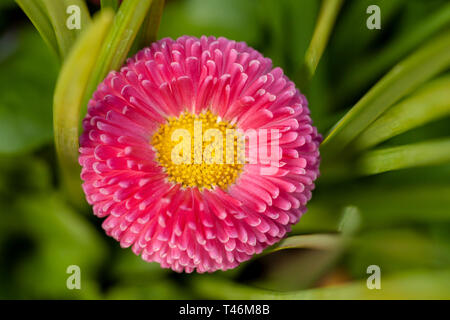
(198, 214)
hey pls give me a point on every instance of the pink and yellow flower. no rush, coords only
(197, 215)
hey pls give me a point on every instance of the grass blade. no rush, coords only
(407, 156)
(69, 94)
(34, 11)
(430, 60)
(430, 103)
(309, 241)
(120, 38)
(327, 17)
(151, 24)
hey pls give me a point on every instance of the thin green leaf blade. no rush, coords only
(373, 66)
(326, 20)
(40, 20)
(309, 241)
(430, 103)
(407, 156)
(430, 60)
(151, 24)
(120, 38)
(69, 93)
(58, 14)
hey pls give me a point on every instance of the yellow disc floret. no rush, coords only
(199, 150)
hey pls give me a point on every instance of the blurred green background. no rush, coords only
(399, 220)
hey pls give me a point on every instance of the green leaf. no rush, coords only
(61, 238)
(411, 285)
(361, 39)
(430, 60)
(26, 84)
(57, 13)
(327, 17)
(430, 103)
(323, 252)
(70, 90)
(309, 241)
(35, 12)
(118, 42)
(151, 23)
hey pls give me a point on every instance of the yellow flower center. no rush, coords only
(199, 150)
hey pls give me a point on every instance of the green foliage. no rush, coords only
(325, 23)
(56, 13)
(421, 66)
(35, 11)
(430, 103)
(411, 285)
(394, 158)
(62, 238)
(27, 79)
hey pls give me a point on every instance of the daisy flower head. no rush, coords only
(198, 153)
